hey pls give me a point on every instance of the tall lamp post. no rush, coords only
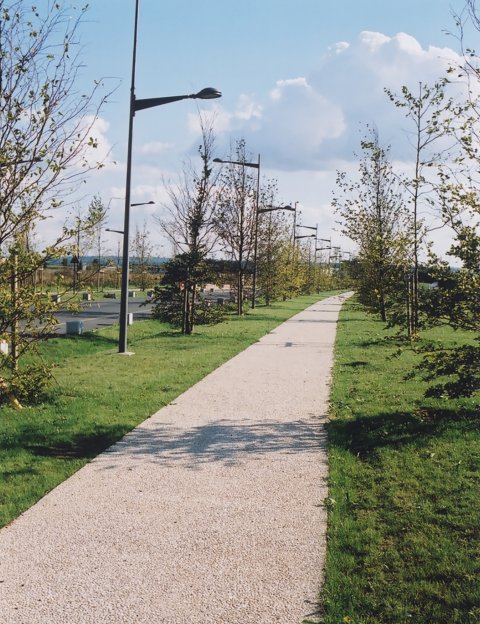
(324, 240)
(136, 105)
(256, 166)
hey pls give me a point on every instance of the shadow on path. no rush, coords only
(220, 441)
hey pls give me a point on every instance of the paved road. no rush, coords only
(210, 512)
(102, 313)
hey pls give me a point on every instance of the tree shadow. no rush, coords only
(85, 445)
(90, 337)
(356, 364)
(364, 435)
(225, 441)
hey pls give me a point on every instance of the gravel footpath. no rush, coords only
(211, 511)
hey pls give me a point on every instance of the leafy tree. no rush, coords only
(87, 235)
(374, 216)
(430, 113)
(46, 132)
(289, 278)
(141, 250)
(169, 294)
(46, 126)
(456, 302)
(274, 266)
(97, 218)
(236, 217)
(191, 223)
(274, 245)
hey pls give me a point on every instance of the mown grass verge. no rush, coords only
(404, 491)
(99, 395)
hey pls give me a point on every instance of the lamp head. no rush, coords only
(209, 93)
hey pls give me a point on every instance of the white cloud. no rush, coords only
(305, 122)
(99, 128)
(304, 126)
(155, 148)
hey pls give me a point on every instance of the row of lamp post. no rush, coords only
(243, 163)
(258, 211)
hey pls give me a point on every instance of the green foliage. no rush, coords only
(455, 302)
(30, 385)
(460, 365)
(276, 274)
(235, 219)
(26, 318)
(374, 216)
(45, 129)
(169, 297)
(207, 313)
(193, 205)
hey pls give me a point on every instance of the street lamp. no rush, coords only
(256, 166)
(306, 227)
(324, 240)
(143, 203)
(136, 105)
(272, 208)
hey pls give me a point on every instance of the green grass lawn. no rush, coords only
(99, 395)
(404, 498)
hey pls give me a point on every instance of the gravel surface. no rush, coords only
(211, 511)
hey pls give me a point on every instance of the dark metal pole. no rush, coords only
(122, 340)
(255, 248)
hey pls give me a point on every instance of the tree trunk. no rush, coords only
(184, 308)
(192, 308)
(240, 291)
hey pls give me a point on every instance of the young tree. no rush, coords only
(274, 260)
(273, 235)
(141, 249)
(46, 131)
(456, 302)
(374, 216)
(430, 113)
(98, 215)
(86, 232)
(191, 222)
(235, 222)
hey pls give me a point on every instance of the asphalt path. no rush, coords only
(102, 313)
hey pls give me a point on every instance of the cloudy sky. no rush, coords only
(300, 79)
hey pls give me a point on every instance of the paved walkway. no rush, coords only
(211, 511)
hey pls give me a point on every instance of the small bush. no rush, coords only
(29, 385)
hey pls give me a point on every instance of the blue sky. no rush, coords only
(300, 78)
